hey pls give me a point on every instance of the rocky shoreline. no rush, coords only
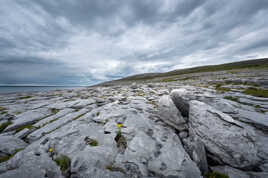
(159, 129)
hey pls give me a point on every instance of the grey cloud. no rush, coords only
(16, 70)
(67, 41)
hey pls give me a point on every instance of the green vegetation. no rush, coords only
(154, 104)
(29, 126)
(113, 168)
(232, 98)
(232, 67)
(78, 116)
(169, 80)
(91, 142)
(4, 126)
(216, 175)
(98, 113)
(63, 161)
(17, 113)
(121, 141)
(8, 157)
(2, 108)
(140, 93)
(256, 92)
(54, 110)
(222, 89)
(3, 112)
(24, 97)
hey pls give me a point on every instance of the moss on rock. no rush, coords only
(256, 92)
(216, 175)
(63, 162)
(4, 125)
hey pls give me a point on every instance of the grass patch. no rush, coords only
(121, 141)
(4, 126)
(24, 97)
(29, 126)
(54, 110)
(256, 92)
(140, 93)
(78, 116)
(168, 80)
(232, 98)
(154, 103)
(63, 161)
(249, 64)
(17, 113)
(114, 169)
(216, 175)
(8, 157)
(219, 88)
(2, 108)
(91, 142)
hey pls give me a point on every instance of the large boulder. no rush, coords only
(170, 114)
(227, 140)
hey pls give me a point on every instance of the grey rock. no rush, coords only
(55, 125)
(231, 172)
(183, 134)
(196, 150)
(236, 173)
(134, 86)
(45, 121)
(22, 134)
(230, 141)
(27, 164)
(180, 102)
(10, 144)
(29, 117)
(169, 113)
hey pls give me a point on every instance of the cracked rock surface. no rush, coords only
(157, 129)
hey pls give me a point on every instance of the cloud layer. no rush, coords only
(85, 42)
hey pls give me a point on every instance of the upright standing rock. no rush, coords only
(180, 102)
(170, 114)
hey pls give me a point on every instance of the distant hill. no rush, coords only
(253, 63)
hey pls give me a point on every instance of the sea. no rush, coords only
(17, 89)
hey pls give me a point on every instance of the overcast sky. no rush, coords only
(82, 42)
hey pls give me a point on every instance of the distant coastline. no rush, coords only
(33, 88)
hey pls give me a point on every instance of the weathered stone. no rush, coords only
(10, 144)
(180, 102)
(196, 150)
(55, 125)
(169, 113)
(230, 141)
(183, 134)
(28, 117)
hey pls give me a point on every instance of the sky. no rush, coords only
(84, 42)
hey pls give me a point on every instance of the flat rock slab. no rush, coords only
(29, 117)
(10, 144)
(55, 125)
(53, 117)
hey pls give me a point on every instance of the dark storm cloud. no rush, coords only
(88, 41)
